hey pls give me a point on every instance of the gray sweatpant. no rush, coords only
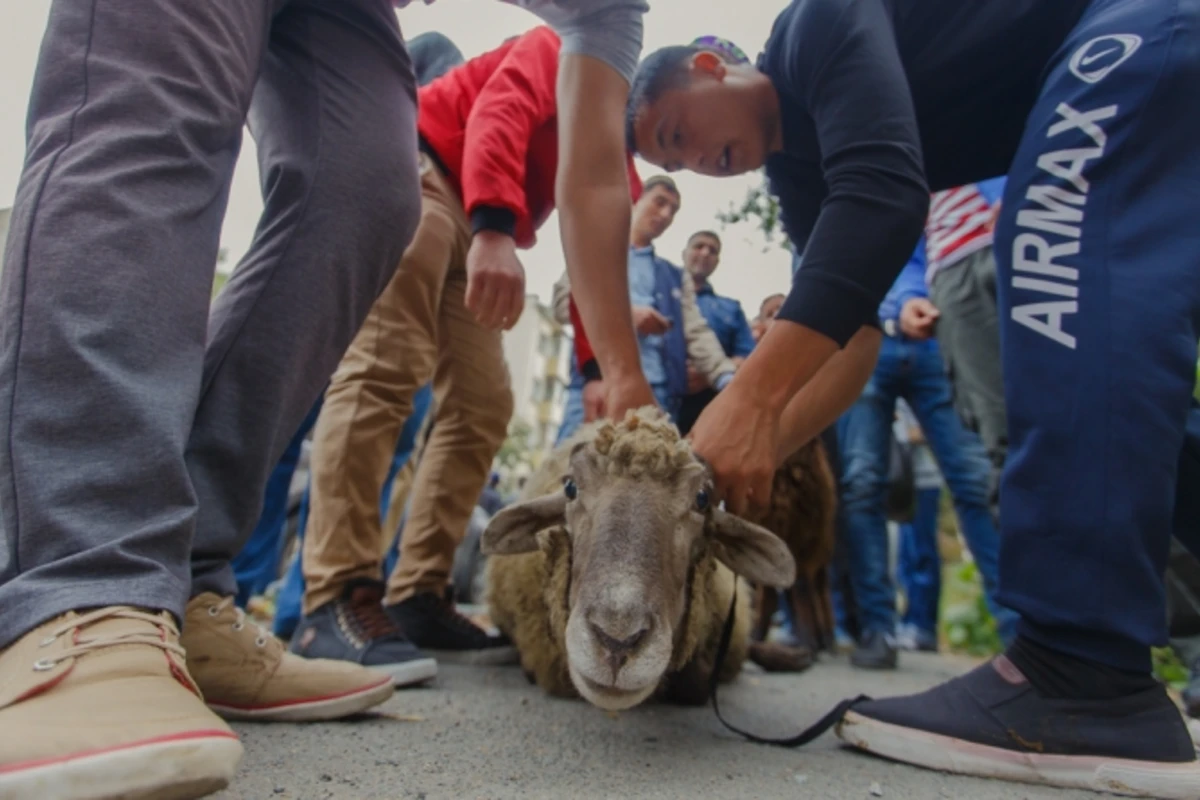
(139, 429)
(969, 334)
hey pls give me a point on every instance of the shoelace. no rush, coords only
(369, 620)
(240, 622)
(84, 645)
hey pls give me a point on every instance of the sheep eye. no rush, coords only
(701, 500)
(570, 489)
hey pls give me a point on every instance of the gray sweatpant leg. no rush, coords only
(125, 434)
(969, 333)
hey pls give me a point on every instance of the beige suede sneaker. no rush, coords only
(246, 673)
(99, 705)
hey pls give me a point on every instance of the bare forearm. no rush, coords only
(788, 356)
(831, 391)
(594, 206)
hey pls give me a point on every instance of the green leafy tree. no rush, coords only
(220, 277)
(761, 209)
(516, 448)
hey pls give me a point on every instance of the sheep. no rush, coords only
(802, 512)
(613, 574)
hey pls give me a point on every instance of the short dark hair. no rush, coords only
(768, 299)
(665, 181)
(710, 234)
(659, 72)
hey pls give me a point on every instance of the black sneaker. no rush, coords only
(876, 650)
(991, 723)
(433, 624)
(355, 628)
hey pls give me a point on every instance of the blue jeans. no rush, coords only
(914, 371)
(573, 410)
(291, 593)
(256, 566)
(572, 413)
(920, 564)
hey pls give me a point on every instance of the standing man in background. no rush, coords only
(961, 276)
(724, 316)
(671, 329)
(909, 366)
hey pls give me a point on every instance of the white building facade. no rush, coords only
(538, 352)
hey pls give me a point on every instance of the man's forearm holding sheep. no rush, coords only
(830, 393)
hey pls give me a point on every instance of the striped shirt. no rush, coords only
(958, 225)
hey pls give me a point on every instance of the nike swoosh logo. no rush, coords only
(1085, 61)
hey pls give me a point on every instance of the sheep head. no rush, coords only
(635, 503)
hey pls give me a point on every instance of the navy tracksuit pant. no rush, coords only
(1098, 250)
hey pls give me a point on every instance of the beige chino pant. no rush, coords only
(419, 329)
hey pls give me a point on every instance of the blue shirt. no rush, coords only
(909, 284)
(880, 102)
(642, 286)
(992, 189)
(727, 320)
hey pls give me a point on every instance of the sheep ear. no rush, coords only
(752, 551)
(514, 529)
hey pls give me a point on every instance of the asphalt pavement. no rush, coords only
(484, 732)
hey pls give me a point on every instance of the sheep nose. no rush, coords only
(618, 648)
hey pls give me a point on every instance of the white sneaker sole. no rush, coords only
(486, 657)
(410, 673)
(317, 709)
(1099, 774)
(178, 768)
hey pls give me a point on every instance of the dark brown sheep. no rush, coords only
(802, 513)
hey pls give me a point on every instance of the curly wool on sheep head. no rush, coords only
(636, 505)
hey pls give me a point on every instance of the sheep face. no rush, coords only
(637, 528)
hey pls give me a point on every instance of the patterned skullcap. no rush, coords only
(727, 48)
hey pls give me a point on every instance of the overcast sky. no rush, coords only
(746, 273)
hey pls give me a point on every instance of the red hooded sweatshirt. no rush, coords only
(491, 124)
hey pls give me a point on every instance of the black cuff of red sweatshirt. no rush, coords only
(829, 305)
(493, 218)
(590, 371)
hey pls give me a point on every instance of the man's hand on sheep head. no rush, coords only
(594, 396)
(737, 439)
(626, 393)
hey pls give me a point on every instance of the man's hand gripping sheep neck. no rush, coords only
(594, 216)
(767, 413)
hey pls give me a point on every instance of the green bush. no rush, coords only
(1169, 669)
(967, 624)
(969, 628)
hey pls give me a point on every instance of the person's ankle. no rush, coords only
(1060, 675)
